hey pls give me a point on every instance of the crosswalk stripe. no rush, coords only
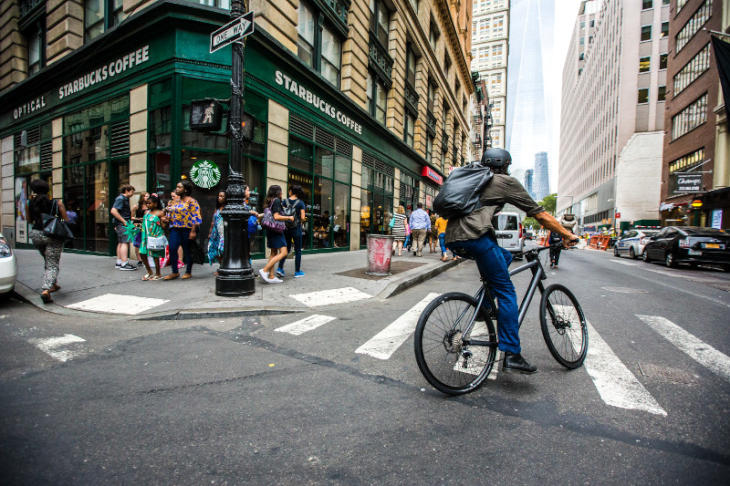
(51, 346)
(307, 324)
(615, 383)
(384, 344)
(692, 346)
(495, 368)
(331, 297)
(118, 304)
(631, 264)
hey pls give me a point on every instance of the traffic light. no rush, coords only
(206, 115)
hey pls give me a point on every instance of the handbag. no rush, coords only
(54, 226)
(197, 253)
(270, 223)
(155, 242)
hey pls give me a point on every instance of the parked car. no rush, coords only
(508, 228)
(689, 244)
(633, 242)
(8, 268)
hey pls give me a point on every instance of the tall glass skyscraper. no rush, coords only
(529, 113)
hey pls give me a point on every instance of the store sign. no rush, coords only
(106, 71)
(205, 174)
(294, 87)
(433, 175)
(717, 218)
(687, 183)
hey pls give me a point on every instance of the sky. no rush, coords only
(566, 12)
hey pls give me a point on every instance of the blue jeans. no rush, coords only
(493, 263)
(442, 242)
(296, 236)
(178, 237)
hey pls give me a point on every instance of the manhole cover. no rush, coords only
(625, 290)
(664, 373)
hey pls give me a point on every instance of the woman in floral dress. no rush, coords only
(216, 236)
(152, 227)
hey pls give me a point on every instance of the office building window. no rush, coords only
(320, 48)
(379, 20)
(409, 129)
(662, 93)
(582, 24)
(665, 29)
(692, 70)
(643, 95)
(645, 4)
(36, 38)
(687, 161)
(690, 118)
(100, 16)
(663, 61)
(377, 97)
(694, 24)
(646, 33)
(681, 4)
(644, 64)
(429, 148)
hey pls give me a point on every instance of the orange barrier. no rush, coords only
(542, 241)
(599, 242)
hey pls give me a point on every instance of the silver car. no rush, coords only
(8, 268)
(633, 243)
(508, 229)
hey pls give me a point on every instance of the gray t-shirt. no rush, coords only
(121, 203)
(501, 190)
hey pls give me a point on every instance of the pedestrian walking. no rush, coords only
(293, 231)
(152, 227)
(138, 212)
(398, 228)
(432, 234)
(50, 247)
(554, 239)
(216, 233)
(440, 226)
(122, 214)
(184, 219)
(420, 224)
(274, 240)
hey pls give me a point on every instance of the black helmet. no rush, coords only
(496, 157)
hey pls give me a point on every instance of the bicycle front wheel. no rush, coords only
(455, 360)
(564, 326)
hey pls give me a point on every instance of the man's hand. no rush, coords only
(570, 241)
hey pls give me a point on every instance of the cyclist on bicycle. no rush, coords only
(474, 234)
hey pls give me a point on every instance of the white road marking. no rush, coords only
(307, 324)
(631, 264)
(384, 344)
(495, 368)
(692, 346)
(51, 345)
(118, 304)
(331, 297)
(616, 385)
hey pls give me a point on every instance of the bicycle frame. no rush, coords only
(538, 275)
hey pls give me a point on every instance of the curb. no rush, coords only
(209, 313)
(399, 287)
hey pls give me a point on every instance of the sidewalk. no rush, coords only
(90, 283)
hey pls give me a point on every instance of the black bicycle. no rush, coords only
(455, 340)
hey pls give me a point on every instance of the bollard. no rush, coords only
(380, 251)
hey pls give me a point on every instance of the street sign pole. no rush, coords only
(235, 276)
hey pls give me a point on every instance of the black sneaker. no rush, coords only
(118, 265)
(127, 267)
(515, 363)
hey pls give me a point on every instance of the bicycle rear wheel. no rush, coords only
(564, 326)
(452, 362)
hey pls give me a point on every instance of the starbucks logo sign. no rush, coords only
(205, 174)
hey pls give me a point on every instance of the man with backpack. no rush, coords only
(473, 233)
(294, 206)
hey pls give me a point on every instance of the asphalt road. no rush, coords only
(243, 401)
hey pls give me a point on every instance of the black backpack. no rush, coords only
(289, 209)
(461, 191)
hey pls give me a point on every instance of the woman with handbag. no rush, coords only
(274, 224)
(50, 246)
(138, 212)
(184, 219)
(398, 225)
(153, 240)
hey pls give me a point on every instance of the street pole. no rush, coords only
(235, 275)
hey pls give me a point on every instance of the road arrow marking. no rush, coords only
(693, 347)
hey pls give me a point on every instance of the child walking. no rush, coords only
(152, 226)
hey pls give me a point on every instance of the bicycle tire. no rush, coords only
(447, 364)
(566, 331)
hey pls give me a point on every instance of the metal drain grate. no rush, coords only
(664, 373)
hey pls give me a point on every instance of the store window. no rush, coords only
(376, 197)
(32, 157)
(319, 43)
(100, 16)
(95, 165)
(409, 192)
(323, 168)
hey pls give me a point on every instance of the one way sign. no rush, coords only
(231, 32)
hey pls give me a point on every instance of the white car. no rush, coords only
(8, 268)
(633, 242)
(508, 228)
